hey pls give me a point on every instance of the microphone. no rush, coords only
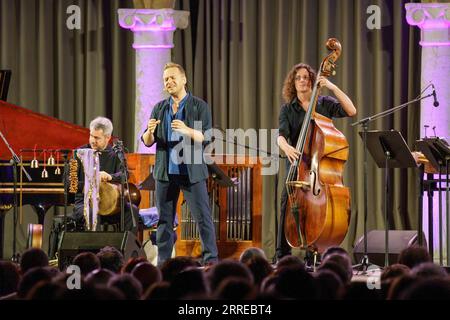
(118, 150)
(435, 103)
(117, 145)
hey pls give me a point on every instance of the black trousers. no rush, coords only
(283, 248)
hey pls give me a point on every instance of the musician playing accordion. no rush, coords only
(109, 172)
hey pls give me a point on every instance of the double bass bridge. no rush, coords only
(305, 186)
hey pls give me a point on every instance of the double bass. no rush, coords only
(318, 208)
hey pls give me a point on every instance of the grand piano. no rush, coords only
(25, 131)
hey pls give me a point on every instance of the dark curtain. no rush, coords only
(72, 75)
(236, 53)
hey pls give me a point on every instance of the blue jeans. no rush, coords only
(197, 199)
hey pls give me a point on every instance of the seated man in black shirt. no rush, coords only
(100, 134)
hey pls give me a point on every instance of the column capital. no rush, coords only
(153, 28)
(153, 19)
(434, 21)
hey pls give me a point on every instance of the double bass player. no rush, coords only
(297, 94)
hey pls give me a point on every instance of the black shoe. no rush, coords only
(210, 262)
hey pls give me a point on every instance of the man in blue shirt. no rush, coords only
(178, 125)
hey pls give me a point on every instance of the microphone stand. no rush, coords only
(15, 160)
(245, 146)
(276, 175)
(122, 197)
(365, 263)
(118, 148)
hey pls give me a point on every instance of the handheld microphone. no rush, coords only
(435, 103)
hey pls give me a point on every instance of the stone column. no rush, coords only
(433, 19)
(153, 40)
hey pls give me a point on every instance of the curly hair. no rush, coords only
(289, 91)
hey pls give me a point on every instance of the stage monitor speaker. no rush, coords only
(398, 240)
(73, 243)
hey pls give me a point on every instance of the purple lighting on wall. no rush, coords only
(433, 19)
(152, 28)
(434, 44)
(151, 46)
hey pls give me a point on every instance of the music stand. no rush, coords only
(437, 151)
(364, 124)
(148, 183)
(389, 150)
(434, 151)
(220, 177)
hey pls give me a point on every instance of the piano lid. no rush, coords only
(24, 129)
